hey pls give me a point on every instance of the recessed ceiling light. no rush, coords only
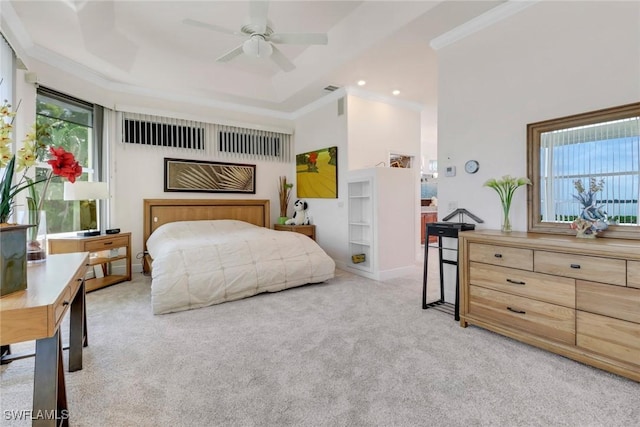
(396, 92)
(361, 83)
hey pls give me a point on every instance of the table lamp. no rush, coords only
(87, 192)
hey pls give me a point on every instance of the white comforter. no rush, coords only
(201, 263)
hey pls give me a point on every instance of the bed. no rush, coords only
(205, 252)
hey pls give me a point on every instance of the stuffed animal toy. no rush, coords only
(300, 214)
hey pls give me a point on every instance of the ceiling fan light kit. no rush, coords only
(257, 46)
(262, 39)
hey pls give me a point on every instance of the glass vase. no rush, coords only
(506, 219)
(36, 235)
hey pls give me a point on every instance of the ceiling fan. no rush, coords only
(260, 38)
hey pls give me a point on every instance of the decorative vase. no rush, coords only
(282, 220)
(13, 258)
(506, 219)
(37, 236)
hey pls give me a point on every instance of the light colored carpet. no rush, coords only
(350, 352)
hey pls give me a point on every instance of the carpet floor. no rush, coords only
(348, 352)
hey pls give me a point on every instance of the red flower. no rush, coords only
(64, 164)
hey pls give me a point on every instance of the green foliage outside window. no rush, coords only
(70, 128)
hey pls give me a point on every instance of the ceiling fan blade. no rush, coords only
(258, 10)
(212, 27)
(230, 55)
(299, 38)
(283, 62)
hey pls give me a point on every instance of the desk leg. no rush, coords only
(85, 341)
(49, 392)
(77, 324)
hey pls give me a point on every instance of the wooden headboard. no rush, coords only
(162, 211)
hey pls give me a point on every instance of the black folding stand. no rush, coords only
(445, 229)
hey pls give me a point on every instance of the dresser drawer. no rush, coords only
(501, 255)
(611, 337)
(552, 289)
(531, 316)
(77, 279)
(633, 274)
(597, 269)
(614, 301)
(61, 305)
(101, 245)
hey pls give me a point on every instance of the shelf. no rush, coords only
(360, 242)
(100, 282)
(360, 224)
(105, 250)
(359, 197)
(103, 260)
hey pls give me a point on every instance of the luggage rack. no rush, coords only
(445, 229)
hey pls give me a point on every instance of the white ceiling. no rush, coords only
(145, 45)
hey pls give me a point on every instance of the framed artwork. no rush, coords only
(317, 174)
(397, 160)
(199, 176)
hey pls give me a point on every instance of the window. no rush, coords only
(598, 150)
(210, 140)
(72, 125)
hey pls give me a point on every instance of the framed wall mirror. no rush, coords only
(585, 164)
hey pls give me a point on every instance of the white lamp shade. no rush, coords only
(82, 190)
(257, 46)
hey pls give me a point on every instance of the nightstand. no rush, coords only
(104, 250)
(307, 230)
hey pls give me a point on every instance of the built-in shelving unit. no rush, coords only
(383, 221)
(360, 223)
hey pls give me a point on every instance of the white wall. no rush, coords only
(374, 130)
(365, 134)
(322, 128)
(136, 173)
(377, 128)
(551, 60)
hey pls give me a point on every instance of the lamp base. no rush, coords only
(89, 233)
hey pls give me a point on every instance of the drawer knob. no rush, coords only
(65, 302)
(516, 282)
(516, 311)
(575, 265)
(79, 279)
(108, 243)
(497, 255)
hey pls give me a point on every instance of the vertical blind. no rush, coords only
(209, 139)
(606, 152)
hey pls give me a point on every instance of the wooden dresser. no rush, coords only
(576, 297)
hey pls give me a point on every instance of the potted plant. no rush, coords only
(17, 246)
(284, 193)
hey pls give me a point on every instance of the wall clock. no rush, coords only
(472, 166)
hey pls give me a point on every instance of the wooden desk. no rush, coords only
(36, 314)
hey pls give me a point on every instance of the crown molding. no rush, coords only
(480, 22)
